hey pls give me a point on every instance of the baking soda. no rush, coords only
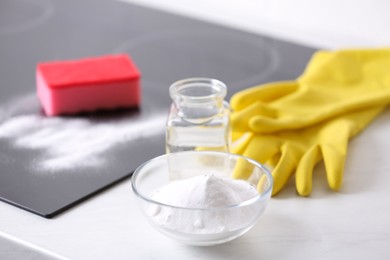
(205, 193)
(67, 142)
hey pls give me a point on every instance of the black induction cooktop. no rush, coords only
(47, 165)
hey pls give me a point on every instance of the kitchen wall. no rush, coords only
(318, 23)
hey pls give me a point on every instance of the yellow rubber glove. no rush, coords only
(333, 83)
(298, 151)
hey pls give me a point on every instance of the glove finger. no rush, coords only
(240, 119)
(242, 169)
(304, 173)
(334, 143)
(334, 160)
(285, 167)
(263, 93)
(265, 125)
(262, 148)
(259, 149)
(236, 135)
(240, 143)
(269, 121)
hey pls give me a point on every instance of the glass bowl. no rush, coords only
(202, 226)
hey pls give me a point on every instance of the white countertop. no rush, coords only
(350, 224)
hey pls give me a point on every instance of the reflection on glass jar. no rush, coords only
(199, 116)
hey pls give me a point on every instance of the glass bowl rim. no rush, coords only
(251, 201)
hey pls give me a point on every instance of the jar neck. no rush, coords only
(198, 100)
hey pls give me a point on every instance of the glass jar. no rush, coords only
(198, 117)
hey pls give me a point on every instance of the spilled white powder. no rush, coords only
(204, 192)
(66, 142)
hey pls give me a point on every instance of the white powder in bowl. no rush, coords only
(213, 196)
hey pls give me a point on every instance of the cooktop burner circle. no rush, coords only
(23, 15)
(165, 57)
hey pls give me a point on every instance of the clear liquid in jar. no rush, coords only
(185, 138)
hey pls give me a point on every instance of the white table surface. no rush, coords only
(353, 223)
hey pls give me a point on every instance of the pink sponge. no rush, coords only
(66, 87)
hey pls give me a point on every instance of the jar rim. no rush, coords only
(217, 90)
